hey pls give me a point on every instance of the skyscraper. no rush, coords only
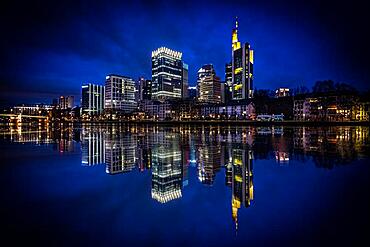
(242, 68)
(167, 74)
(228, 85)
(120, 93)
(210, 89)
(66, 102)
(229, 74)
(205, 70)
(92, 99)
(185, 81)
(145, 89)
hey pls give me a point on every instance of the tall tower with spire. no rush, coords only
(242, 67)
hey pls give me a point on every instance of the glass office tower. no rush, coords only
(167, 74)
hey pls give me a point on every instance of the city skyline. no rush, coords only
(287, 42)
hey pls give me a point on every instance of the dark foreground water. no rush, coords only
(185, 186)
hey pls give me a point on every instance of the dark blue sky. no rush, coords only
(50, 49)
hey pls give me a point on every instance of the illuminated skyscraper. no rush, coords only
(242, 68)
(92, 99)
(167, 74)
(206, 70)
(120, 93)
(210, 89)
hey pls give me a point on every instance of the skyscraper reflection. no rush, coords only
(242, 180)
(209, 163)
(166, 174)
(170, 153)
(92, 147)
(120, 154)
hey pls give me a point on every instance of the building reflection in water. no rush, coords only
(120, 153)
(92, 147)
(166, 174)
(241, 180)
(169, 152)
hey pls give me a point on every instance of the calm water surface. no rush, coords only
(136, 185)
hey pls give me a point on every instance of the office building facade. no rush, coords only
(120, 93)
(210, 89)
(167, 74)
(145, 89)
(205, 70)
(92, 99)
(66, 102)
(185, 81)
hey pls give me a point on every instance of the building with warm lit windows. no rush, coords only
(66, 102)
(167, 74)
(120, 93)
(205, 70)
(282, 92)
(242, 68)
(92, 99)
(210, 89)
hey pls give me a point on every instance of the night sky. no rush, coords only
(50, 48)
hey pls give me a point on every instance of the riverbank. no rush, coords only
(210, 122)
(239, 122)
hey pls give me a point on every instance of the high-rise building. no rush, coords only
(145, 89)
(66, 102)
(192, 92)
(185, 81)
(229, 74)
(210, 89)
(137, 90)
(120, 93)
(92, 99)
(167, 74)
(205, 70)
(242, 68)
(228, 85)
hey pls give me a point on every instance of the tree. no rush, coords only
(300, 90)
(323, 86)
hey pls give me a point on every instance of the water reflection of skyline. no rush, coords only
(169, 152)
